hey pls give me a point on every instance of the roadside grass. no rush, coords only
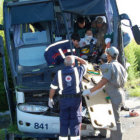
(133, 87)
(2, 134)
(132, 53)
(11, 129)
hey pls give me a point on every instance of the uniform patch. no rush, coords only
(68, 78)
(104, 70)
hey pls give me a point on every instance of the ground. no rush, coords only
(131, 125)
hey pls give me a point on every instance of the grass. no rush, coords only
(135, 92)
(2, 134)
(10, 129)
(133, 87)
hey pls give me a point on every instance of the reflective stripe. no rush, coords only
(77, 80)
(73, 50)
(63, 138)
(57, 43)
(60, 81)
(69, 50)
(85, 69)
(53, 86)
(62, 54)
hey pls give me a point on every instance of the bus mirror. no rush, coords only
(136, 34)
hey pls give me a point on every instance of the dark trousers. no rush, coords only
(70, 116)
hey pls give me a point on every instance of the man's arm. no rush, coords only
(99, 85)
(82, 61)
(52, 92)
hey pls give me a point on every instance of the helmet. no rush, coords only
(113, 51)
(104, 57)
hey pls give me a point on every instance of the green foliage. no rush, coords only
(3, 101)
(135, 92)
(137, 54)
(2, 134)
(132, 57)
(132, 53)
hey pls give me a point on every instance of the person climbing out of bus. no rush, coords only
(68, 81)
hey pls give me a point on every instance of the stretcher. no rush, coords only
(99, 106)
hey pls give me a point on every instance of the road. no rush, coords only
(131, 125)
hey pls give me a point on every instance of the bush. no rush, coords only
(133, 57)
(3, 100)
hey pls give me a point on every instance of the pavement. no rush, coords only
(131, 125)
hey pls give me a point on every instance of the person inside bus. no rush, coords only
(101, 27)
(93, 27)
(86, 42)
(81, 26)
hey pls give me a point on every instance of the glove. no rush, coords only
(107, 40)
(86, 92)
(50, 103)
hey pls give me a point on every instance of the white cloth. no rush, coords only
(85, 41)
(50, 103)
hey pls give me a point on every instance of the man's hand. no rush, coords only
(50, 103)
(86, 92)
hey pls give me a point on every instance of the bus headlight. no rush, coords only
(32, 108)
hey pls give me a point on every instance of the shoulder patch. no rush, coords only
(105, 70)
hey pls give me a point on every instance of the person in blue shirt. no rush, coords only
(68, 82)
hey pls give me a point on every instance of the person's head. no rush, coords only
(69, 60)
(112, 53)
(88, 36)
(103, 58)
(99, 22)
(75, 39)
(89, 32)
(81, 22)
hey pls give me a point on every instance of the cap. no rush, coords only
(113, 51)
(99, 20)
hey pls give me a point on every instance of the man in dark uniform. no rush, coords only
(68, 81)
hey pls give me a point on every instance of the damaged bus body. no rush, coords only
(30, 27)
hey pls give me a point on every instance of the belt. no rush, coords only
(71, 95)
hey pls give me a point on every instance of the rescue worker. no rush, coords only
(114, 78)
(68, 81)
(52, 54)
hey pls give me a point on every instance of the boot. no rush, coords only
(63, 138)
(75, 138)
